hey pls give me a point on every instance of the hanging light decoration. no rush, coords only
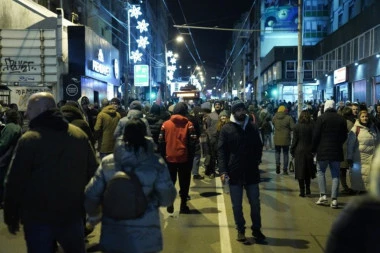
(142, 26)
(171, 68)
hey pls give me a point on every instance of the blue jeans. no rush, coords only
(196, 161)
(42, 238)
(253, 194)
(285, 151)
(321, 170)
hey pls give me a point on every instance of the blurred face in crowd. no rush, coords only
(240, 114)
(341, 104)
(378, 108)
(217, 106)
(355, 110)
(223, 119)
(363, 117)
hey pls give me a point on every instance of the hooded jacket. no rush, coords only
(132, 113)
(105, 125)
(177, 139)
(74, 116)
(283, 125)
(52, 163)
(361, 145)
(142, 234)
(239, 151)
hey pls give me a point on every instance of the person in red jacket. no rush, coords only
(177, 141)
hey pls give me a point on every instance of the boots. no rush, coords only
(278, 169)
(307, 183)
(301, 183)
(184, 208)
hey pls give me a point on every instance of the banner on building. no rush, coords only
(21, 94)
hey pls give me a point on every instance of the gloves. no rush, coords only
(350, 162)
(11, 217)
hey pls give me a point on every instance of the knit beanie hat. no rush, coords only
(236, 105)
(223, 113)
(329, 104)
(281, 108)
(135, 105)
(217, 102)
(206, 107)
(155, 109)
(181, 109)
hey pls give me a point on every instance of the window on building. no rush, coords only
(308, 69)
(340, 20)
(291, 70)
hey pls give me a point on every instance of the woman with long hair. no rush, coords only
(300, 149)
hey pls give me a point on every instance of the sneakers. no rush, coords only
(322, 200)
(241, 237)
(198, 177)
(170, 209)
(334, 204)
(258, 235)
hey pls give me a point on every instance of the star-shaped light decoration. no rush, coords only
(135, 12)
(169, 54)
(172, 68)
(142, 26)
(171, 75)
(142, 41)
(173, 60)
(136, 56)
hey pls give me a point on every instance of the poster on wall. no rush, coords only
(21, 94)
(281, 14)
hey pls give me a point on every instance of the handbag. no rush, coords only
(291, 165)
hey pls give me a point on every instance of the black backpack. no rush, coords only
(124, 198)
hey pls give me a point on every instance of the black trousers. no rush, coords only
(183, 170)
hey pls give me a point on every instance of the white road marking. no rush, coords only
(225, 242)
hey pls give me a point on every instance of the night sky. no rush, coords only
(211, 44)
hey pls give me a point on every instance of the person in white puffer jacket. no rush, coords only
(361, 144)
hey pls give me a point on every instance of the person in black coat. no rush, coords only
(301, 151)
(239, 152)
(155, 122)
(330, 132)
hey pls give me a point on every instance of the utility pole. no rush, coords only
(300, 60)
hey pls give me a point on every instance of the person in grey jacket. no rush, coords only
(283, 125)
(133, 150)
(135, 111)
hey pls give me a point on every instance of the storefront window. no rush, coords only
(360, 91)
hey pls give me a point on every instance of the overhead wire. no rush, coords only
(227, 68)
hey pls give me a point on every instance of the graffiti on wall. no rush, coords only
(18, 66)
(20, 95)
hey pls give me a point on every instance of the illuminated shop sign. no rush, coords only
(340, 75)
(98, 66)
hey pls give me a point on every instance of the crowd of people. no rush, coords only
(68, 151)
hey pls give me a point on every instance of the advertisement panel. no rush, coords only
(141, 75)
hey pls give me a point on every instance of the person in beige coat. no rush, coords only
(105, 125)
(283, 126)
(361, 144)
